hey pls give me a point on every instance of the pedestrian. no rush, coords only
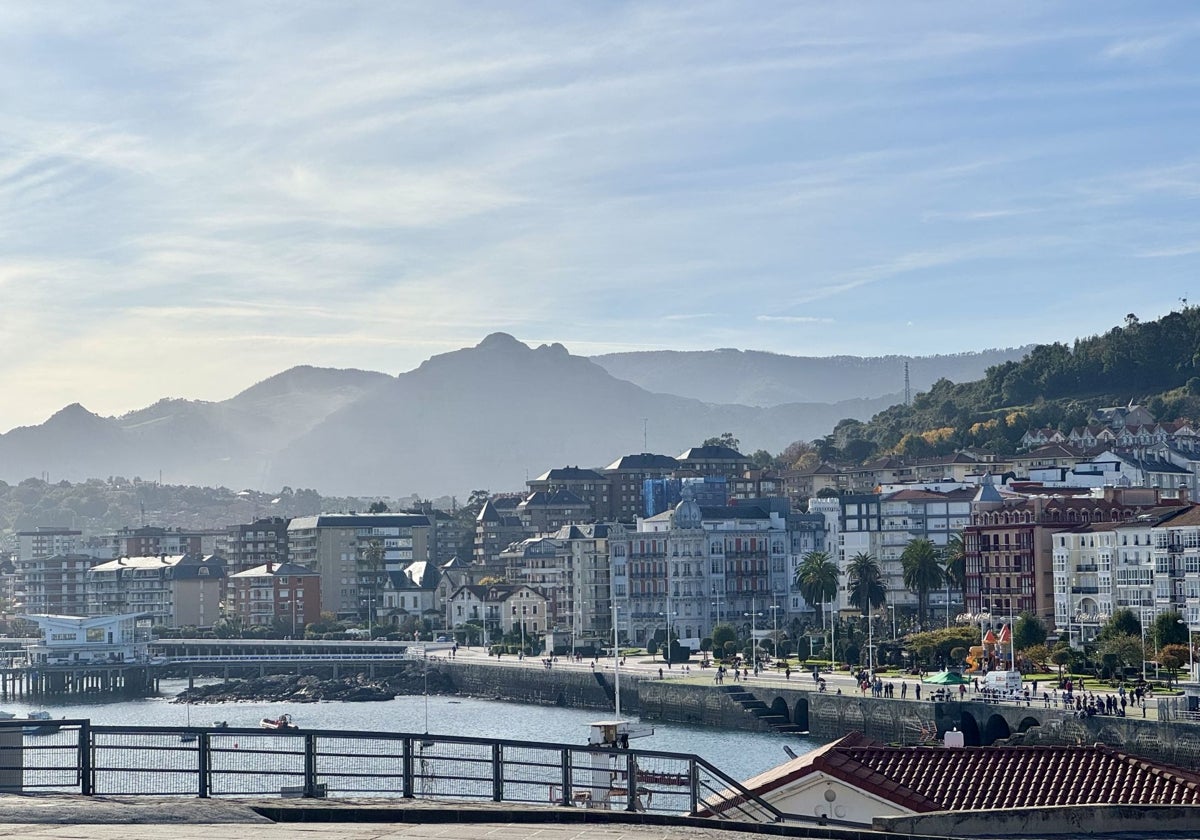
(660, 673)
(903, 690)
(918, 689)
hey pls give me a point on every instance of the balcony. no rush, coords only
(1085, 590)
(1087, 568)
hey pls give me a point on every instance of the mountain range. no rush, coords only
(481, 417)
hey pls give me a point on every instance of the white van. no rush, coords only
(1002, 683)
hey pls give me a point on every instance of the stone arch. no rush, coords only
(800, 713)
(970, 729)
(995, 729)
(854, 718)
(1027, 722)
(779, 707)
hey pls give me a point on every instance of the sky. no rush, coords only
(196, 196)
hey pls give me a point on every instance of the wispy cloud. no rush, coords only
(794, 319)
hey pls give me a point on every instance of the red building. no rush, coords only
(281, 593)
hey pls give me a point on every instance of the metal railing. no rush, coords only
(74, 756)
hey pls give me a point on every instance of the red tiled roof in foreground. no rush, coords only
(989, 778)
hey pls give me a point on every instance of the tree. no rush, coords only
(371, 562)
(1122, 649)
(721, 634)
(1123, 622)
(726, 439)
(378, 507)
(817, 580)
(1173, 657)
(864, 582)
(1038, 654)
(1170, 629)
(954, 563)
(761, 459)
(1061, 656)
(1030, 631)
(922, 572)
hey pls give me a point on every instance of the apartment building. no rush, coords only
(335, 545)
(275, 595)
(255, 544)
(183, 590)
(627, 476)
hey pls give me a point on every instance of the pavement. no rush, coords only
(67, 817)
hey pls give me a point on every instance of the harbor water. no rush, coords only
(739, 754)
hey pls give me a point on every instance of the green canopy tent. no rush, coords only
(946, 678)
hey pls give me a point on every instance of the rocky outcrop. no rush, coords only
(293, 688)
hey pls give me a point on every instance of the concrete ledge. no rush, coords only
(1156, 820)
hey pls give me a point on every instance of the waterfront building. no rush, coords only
(55, 584)
(183, 590)
(693, 567)
(500, 608)
(71, 640)
(276, 595)
(1009, 545)
(336, 546)
(413, 592)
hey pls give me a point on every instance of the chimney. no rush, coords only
(270, 567)
(1183, 493)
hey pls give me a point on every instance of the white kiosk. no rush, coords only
(611, 770)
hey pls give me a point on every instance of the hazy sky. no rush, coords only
(196, 196)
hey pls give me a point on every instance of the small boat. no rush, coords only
(6, 715)
(281, 722)
(220, 724)
(188, 738)
(41, 724)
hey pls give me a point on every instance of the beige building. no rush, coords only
(183, 590)
(335, 545)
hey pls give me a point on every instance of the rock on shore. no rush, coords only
(293, 688)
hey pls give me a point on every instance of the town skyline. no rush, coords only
(195, 200)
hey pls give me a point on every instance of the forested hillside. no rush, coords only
(1156, 363)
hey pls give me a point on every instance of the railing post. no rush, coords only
(497, 773)
(406, 764)
(310, 765)
(566, 778)
(86, 778)
(694, 785)
(630, 781)
(203, 765)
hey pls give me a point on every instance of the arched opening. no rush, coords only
(995, 729)
(970, 729)
(800, 714)
(1027, 722)
(779, 708)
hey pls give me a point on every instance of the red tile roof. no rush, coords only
(989, 778)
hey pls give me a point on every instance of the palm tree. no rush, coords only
(922, 572)
(817, 579)
(864, 582)
(954, 564)
(372, 563)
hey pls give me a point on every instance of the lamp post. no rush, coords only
(775, 608)
(892, 608)
(752, 615)
(1191, 653)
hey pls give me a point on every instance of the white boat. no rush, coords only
(42, 724)
(282, 722)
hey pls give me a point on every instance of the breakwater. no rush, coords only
(769, 706)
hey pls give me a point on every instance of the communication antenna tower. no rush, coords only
(907, 386)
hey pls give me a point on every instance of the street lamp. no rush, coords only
(754, 629)
(892, 607)
(775, 608)
(1191, 653)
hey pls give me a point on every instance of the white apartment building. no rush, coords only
(175, 591)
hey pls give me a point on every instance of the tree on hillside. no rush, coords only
(922, 572)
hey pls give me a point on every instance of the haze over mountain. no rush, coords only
(752, 377)
(486, 416)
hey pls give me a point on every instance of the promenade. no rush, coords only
(902, 688)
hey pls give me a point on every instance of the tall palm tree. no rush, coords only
(371, 561)
(864, 582)
(922, 572)
(954, 565)
(817, 579)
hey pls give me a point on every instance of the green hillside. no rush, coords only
(1156, 363)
